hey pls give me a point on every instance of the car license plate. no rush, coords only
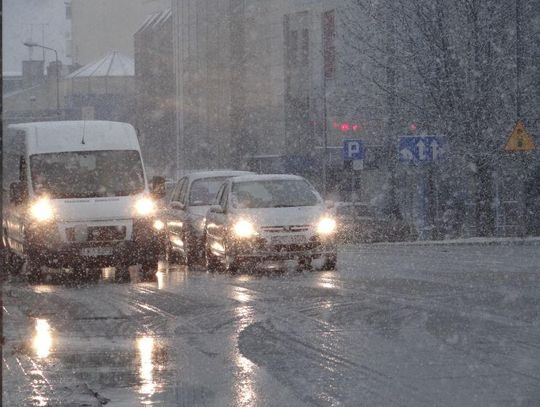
(289, 239)
(96, 251)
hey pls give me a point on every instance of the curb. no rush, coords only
(528, 241)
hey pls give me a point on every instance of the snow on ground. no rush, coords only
(445, 325)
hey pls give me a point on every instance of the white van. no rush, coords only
(76, 196)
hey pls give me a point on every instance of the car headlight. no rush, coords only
(42, 210)
(326, 226)
(159, 225)
(244, 229)
(145, 206)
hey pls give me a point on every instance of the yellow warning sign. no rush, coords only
(520, 139)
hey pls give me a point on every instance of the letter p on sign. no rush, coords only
(353, 150)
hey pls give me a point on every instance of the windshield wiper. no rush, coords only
(285, 206)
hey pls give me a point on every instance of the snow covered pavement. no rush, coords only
(395, 325)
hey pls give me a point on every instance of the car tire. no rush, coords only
(330, 262)
(231, 264)
(212, 263)
(171, 255)
(305, 264)
(190, 254)
(34, 271)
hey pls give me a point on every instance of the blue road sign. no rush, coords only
(421, 149)
(353, 150)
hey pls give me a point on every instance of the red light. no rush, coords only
(412, 127)
(345, 127)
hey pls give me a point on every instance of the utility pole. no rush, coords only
(518, 59)
(179, 94)
(325, 135)
(391, 122)
(57, 76)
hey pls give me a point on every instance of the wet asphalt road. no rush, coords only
(393, 326)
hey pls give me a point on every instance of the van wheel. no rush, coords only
(94, 274)
(149, 268)
(121, 273)
(13, 263)
(34, 270)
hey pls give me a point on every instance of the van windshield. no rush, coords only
(87, 174)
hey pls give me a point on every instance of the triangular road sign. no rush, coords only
(520, 139)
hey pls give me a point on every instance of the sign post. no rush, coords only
(520, 141)
(353, 150)
(424, 151)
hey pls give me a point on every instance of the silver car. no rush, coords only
(185, 213)
(269, 220)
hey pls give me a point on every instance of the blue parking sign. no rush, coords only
(353, 150)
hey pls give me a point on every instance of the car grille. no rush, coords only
(97, 234)
(294, 247)
(281, 229)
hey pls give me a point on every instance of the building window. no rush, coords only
(68, 11)
(329, 47)
(293, 47)
(305, 47)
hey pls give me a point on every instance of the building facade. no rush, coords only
(155, 92)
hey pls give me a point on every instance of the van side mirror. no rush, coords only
(18, 193)
(216, 209)
(157, 187)
(329, 204)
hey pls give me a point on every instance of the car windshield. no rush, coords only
(273, 194)
(204, 190)
(86, 174)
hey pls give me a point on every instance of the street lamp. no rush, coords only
(34, 44)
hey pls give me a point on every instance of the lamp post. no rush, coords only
(34, 44)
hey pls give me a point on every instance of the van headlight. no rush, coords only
(42, 210)
(244, 229)
(145, 206)
(326, 226)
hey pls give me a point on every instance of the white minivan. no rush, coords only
(76, 196)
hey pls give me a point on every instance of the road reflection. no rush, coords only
(170, 279)
(42, 341)
(326, 279)
(244, 386)
(145, 347)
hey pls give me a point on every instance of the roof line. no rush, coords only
(110, 64)
(98, 65)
